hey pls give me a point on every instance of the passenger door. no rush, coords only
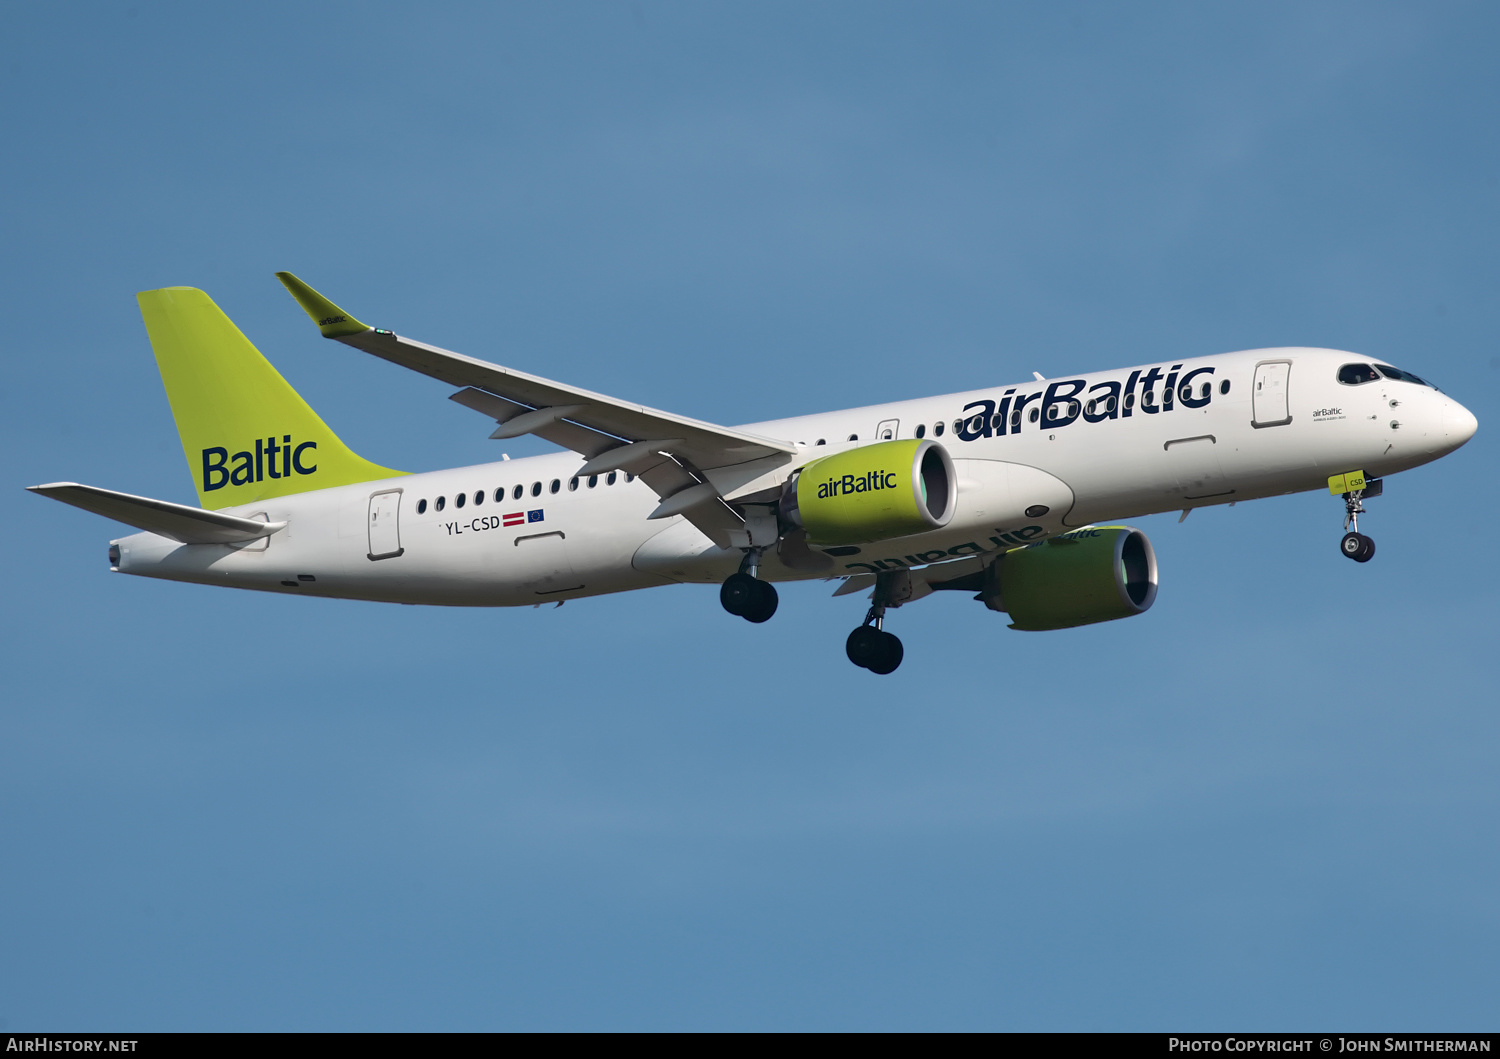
(1269, 407)
(385, 525)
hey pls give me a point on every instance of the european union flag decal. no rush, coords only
(534, 516)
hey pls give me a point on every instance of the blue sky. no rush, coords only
(1270, 803)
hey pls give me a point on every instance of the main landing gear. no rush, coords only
(870, 646)
(746, 596)
(1355, 545)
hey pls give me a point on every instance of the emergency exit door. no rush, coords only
(1268, 400)
(385, 525)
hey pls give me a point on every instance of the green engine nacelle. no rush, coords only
(873, 493)
(1094, 574)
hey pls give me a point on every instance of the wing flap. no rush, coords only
(178, 522)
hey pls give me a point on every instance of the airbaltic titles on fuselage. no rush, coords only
(1065, 401)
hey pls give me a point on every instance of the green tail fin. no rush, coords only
(246, 433)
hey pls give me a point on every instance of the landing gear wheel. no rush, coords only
(888, 655)
(748, 597)
(737, 593)
(763, 604)
(874, 649)
(1358, 547)
(863, 645)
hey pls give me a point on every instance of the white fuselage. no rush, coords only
(1285, 425)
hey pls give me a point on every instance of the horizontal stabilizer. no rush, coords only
(178, 522)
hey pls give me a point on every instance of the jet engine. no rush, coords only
(872, 493)
(1098, 573)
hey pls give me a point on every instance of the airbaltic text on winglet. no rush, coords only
(268, 460)
(331, 320)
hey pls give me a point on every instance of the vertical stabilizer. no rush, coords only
(246, 433)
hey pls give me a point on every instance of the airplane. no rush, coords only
(1011, 493)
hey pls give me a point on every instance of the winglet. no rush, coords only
(331, 320)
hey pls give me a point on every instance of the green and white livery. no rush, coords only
(997, 492)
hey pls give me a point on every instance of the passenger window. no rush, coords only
(441, 501)
(1088, 409)
(1224, 386)
(593, 480)
(1355, 374)
(499, 494)
(516, 493)
(458, 501)
(1035, 415)
(609, 479)
(853, 437)
(937, 430)
(573, 483)
(821, 441)
(1148, 399)
(629, 477)
(1207, 389)
(1015, 420)
(921, 430)
(1110, 404)
(536, 488)
(421, 507)
(1130, 400)
(478, 497)
(555, 486)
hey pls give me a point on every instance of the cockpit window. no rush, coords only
(1404, 376)
(1354, 374)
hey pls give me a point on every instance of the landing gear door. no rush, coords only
(1269, 394)
(385, 525)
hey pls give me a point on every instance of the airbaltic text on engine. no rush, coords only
(863, 483)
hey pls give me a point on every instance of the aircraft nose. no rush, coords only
(1459, 423)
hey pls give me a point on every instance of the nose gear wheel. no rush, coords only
(1355, 545)
(1358, 547)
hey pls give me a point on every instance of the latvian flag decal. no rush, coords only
(517, 519)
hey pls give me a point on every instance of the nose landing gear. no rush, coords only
(1355, 545)
(746, 596)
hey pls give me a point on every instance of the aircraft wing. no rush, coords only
(670, 453)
